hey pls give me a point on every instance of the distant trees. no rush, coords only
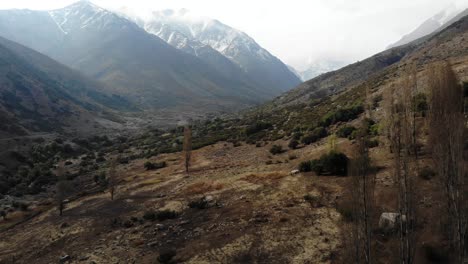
(447, 135)
(187, 147)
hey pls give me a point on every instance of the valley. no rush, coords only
(175, 138)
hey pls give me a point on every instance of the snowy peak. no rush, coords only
(226, 40)
(319, 67)
(85, 15)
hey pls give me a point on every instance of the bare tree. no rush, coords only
(447, 129)
(187, 148)
(363, 185)
(62, 187)
(112, 177)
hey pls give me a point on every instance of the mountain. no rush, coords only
(208, 39)
(131, 62)
(296, 72)
(319, 67)
(38, 94)
(433, 24)
(447, 44)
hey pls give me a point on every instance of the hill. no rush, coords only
(38, 94)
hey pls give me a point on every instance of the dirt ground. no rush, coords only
(258, 213)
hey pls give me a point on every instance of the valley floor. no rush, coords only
(258, 214)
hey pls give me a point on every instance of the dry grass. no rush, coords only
(259, 178)
(203, 187)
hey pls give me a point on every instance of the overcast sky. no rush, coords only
(297, 31)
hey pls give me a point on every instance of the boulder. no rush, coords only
(64, 259)
(390, 222)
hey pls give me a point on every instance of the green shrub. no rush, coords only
(342, 115)
(305, 166)
(333, 163)
(420, 103)
(199, 204)
(166, 214)
(149, 215)
(154, 166)
(372, 143)
(276, 149)
(257, 127)
(314, 136)
(293, 143)
(345, 132)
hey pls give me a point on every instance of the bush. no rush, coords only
(167, 256)
(426, 173)
(333, 163)
(257, 127)
(305, 166)
(276, 149)
(150, 215)
(420, 103)
(154, 166)
(166, 214)
(199, 204)
(372, 143)
(293, 143)
(342, 115)
(346, 132)
(315, 135)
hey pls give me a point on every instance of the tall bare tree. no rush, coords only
(363, 185)
(62, 187)
(112, 177)
(447, 136)
(187, 148)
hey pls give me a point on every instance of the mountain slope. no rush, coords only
(448, 44)
(187, 32)
(38, 94)
(434, 24)
(134, 64)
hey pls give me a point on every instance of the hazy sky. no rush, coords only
(297, 31)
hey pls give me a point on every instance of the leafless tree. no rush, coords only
(62, 187)
(187, 148)
(112, 177)
(447, 136)
(363, 185)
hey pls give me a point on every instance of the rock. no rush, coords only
(390, 222)
(83, 258)
(64, 225)
(65, 258)
(294, 172)
(208, 198)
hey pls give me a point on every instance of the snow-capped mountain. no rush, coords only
(321, 66)
(132, 62)
(433, 24)
(191, 33)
